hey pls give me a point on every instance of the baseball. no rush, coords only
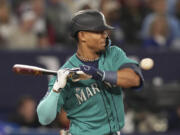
(146, 63)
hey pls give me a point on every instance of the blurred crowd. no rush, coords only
(25, 115)
(137, 120)
(32, 24)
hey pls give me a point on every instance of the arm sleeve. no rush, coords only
(50, 105)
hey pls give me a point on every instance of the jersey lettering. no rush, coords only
(83, 94)
(95, 88)
(88, 91)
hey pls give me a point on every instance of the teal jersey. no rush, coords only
(92, 107)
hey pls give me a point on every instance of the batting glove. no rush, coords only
(61, 79)
(109, 76)
(94, 72)
(80, 75)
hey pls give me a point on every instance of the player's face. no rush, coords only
(96, 41)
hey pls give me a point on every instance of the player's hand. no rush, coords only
(94, 72)
(61, 79)
(76, 74)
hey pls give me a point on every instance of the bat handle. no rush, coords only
(73, 75)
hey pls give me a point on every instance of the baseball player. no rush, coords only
(94, 106)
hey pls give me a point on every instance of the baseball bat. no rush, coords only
(37, 71)
(32, 70)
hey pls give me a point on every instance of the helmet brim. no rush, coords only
(108, 27)
(101, 28)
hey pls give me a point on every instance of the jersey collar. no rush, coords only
(75, 62)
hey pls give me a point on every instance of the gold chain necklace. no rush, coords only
(86, 59)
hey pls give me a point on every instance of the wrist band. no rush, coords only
(111, 77)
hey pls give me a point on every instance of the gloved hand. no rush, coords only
(61, 79)
(76, 74)
(94, 72)
(108, 76)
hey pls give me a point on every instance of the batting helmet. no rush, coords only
(88, 20)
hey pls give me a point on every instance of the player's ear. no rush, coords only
(81, 36)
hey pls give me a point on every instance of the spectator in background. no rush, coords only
(171, 6)
(39, 26)
(58, 16)
(8, 23)
(38, 6)
(111, 11)
(76, 5)
(23, 36)
(132, 14)
(19, 5)
(176, 44)
(177, 10)
(160, 7)
(159, 33)
(25, 115)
